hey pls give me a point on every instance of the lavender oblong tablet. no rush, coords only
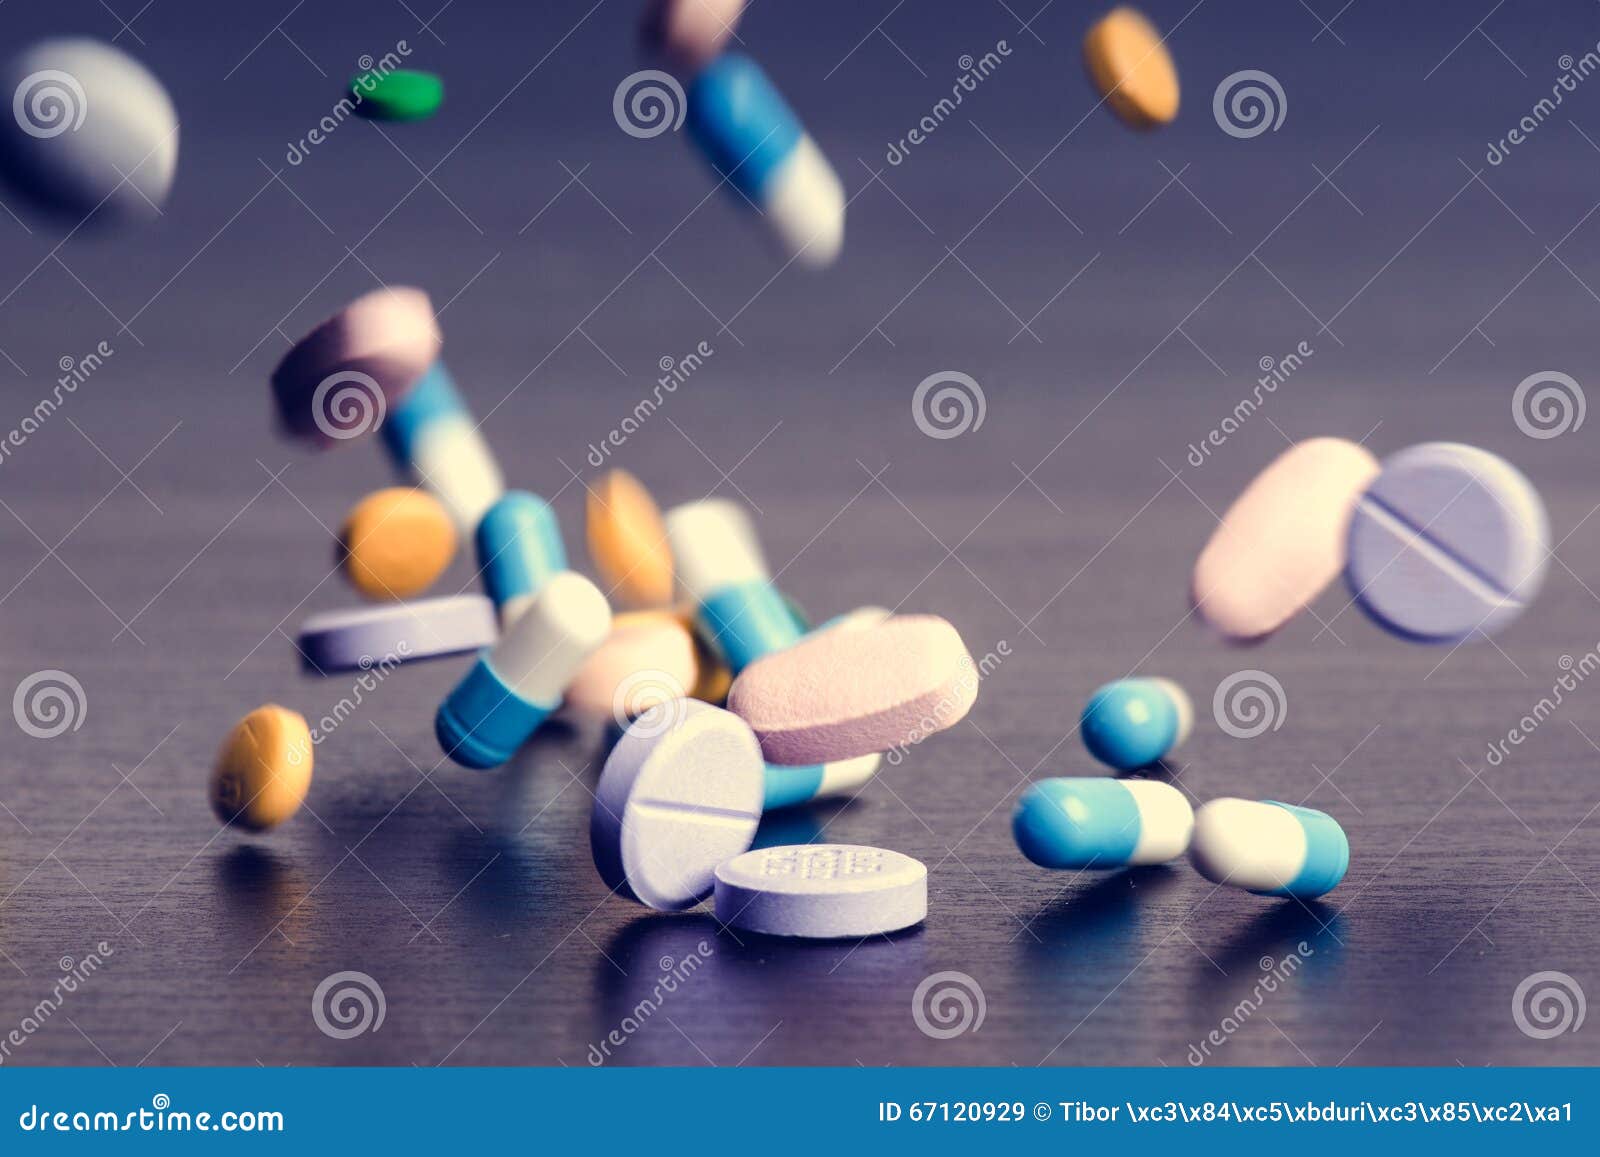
(822, 891)
(364, 637)
(1448, 543)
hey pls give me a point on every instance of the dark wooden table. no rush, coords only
(160, 545)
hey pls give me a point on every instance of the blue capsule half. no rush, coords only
(519, 550)
(1132, 723)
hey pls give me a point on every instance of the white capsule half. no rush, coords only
(547, 644)
(714, 546)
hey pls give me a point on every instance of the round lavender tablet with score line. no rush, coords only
(841, 694)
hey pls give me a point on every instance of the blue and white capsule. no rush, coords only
(435, 443)
(787, 786)
(722, 571)
(1270, 848)
(753, 139)
(519, 550)
(1098, 822)
(519, 681)
(1132, 723)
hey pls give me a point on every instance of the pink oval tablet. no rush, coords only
(1283, 540)
(843, 694)
(341, 378)
(636, 667)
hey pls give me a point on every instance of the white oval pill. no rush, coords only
(680, 793)
(822, 891)
(1283, 540)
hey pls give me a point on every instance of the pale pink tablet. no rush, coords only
(341, 378)
(691, 32)
(843, 694)
(1283, 540)
(636, 667)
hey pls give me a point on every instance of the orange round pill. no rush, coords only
(396, 543)
(1131, 67)
(263, 772)
(628, 541)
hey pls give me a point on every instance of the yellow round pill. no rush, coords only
(396, 543)
(628, 541)
(264, 769)
(1132, 69)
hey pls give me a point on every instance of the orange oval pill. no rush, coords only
(263, 772)
(1131, 67)
(396, 543)
(628, 541)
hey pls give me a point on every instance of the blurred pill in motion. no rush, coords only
(628, 541)
(647, 659)
(519, 550)
(1099, 822)
(395, 543)
(92, 129)
(517, 683)
(401, 94)
(721, 568)
(361, 638)
(1274, 849)
(822, 891)
(433, 440)
(753, 139)
(340, 381)
(690, 33)
(1449, 543)
(841, 694)
(679, 794)
(1132, 69)
(263, 771)
(1283, 540)
(1132, 723)
(788, 786)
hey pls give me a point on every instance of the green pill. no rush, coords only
(401, 95)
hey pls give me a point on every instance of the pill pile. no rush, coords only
(699, 623)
